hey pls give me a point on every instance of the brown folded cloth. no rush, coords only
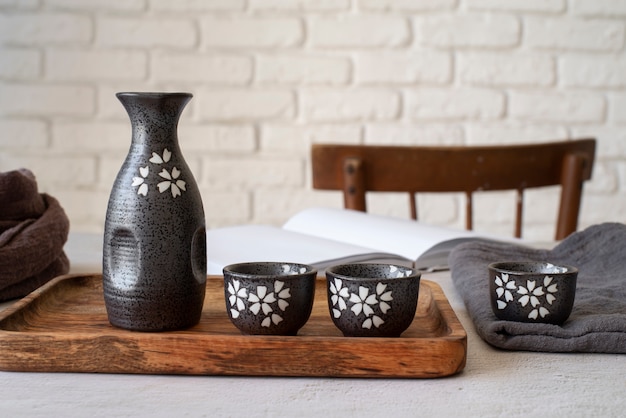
(33, 230)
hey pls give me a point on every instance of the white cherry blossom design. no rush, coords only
(530, 294)
(171, 182)
(399, 272)
(375, 320)
(157, 159)
(286, 268)
(271, 319)
(384, 297)
(536, 296)
(363, 302)
(550, 288)
(504, 289)
(236, 296)
(539, 311)
(282, 294)
(140, 181)
(261, 300)
(339, 294)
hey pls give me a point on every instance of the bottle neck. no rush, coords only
(154, 116)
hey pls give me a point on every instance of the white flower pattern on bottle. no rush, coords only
(172, 181)
(530, 294)
(157, 159)
(140, 181)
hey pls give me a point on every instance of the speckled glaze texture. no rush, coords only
(372, 300)
(154, 253)
(269, 298)
(532, 291)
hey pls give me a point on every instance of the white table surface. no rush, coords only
(493, 383)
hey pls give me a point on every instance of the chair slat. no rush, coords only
(413, 205)
(519, 212)
(357, 169)
(469, 211)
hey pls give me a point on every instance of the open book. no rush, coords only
(323, 237)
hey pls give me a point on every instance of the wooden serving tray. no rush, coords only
(63, 327)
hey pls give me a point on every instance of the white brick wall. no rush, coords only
(272, 77)
(145, 32)
(580, 71)
(302, 69)
(506, 70)
(454, 103)
(572, 107)
(390, 67)
(484, 30)
(574, 34)
(50, 28)
(20, 64)
(358, 31)
(194, 67)
(251, 32)
(246, 104)
(95, 66)
(46, 99)
(340, 104)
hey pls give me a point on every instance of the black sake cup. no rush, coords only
(532, 291)
(372, 300)
(269, 298)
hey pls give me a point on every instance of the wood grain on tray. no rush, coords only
(63, 327)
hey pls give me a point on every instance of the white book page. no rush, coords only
(247, 243)
(404, 237)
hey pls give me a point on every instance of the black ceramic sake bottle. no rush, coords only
(154, 254)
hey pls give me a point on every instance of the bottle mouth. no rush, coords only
(152, 94)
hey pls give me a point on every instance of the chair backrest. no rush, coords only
(356, 169)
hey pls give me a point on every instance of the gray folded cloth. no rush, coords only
(597, 323)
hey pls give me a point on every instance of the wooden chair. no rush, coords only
(356, 169)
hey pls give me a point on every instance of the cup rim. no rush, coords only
(232, 270)
(501, 266)
(416, 274)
